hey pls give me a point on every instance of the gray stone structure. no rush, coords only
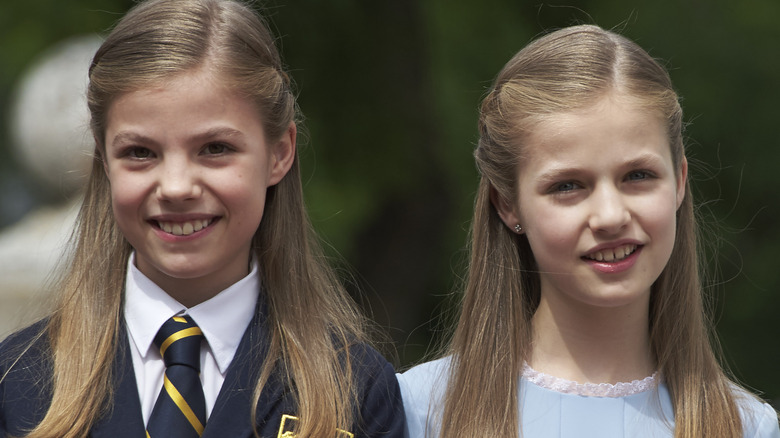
(50, 135)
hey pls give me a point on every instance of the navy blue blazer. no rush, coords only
(25, 393)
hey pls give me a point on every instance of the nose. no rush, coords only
(609, 212)
(178, 180)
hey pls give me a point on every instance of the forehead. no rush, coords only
(184, 106)
(611, 125)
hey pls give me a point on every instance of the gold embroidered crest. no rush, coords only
(287, 428)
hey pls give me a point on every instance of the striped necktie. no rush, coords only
(180, 410)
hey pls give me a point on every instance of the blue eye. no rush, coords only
(565, 187)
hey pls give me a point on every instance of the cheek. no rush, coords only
(124, 214)
(659, 222)
(238, 189)
(122, 192)
(245, 199)
(127, 198)
(552, 232)
(122, 209)
(660, 215)
(666, 236)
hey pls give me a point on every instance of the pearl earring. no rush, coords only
(518, 228)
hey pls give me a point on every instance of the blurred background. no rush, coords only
(390, 91)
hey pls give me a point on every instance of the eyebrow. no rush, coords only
(557, 173)
(218, 132)
(123, 137)
(645, 160)
(208, 135)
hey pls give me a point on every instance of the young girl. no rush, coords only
(193, 254)
(583, 314)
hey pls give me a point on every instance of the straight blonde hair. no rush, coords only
(311, 319)
(563, 71)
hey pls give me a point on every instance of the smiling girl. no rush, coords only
(582, 314)
(196, 301)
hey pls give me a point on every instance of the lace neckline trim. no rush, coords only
(620, 389)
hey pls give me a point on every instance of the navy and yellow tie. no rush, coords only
(180, 410)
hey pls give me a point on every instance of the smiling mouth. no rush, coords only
(612, 254)
(184, 228)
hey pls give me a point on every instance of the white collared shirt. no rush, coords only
(223, 320)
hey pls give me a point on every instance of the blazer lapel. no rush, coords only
(232, 414)
(125, 418)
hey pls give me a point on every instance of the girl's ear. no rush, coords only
(682, 180)
(506, 211)
(282, 155)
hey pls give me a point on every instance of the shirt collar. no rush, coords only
(223, 319)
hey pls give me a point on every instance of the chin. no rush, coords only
(621, 299)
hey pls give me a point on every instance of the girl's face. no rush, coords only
(597, 199)
(189, 166)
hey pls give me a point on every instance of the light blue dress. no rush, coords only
(547, 413)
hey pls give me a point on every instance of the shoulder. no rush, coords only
(434, 368)
(759, 419)
(422, 389)
(369, 366)
(25, 371)
(27, 345)
(425, 380)
(379, 398)
(374, 375)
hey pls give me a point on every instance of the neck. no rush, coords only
(190, 293)
(592, 344)
(193, 291)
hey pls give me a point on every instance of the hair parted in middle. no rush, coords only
(564, 71)
(155, 42)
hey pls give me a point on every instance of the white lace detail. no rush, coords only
(620, 389)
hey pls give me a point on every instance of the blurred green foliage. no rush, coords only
(390, 89)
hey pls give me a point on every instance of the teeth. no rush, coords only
(614, 254)
(183, 228)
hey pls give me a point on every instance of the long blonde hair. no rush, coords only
(562, 71)
(311, 319)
